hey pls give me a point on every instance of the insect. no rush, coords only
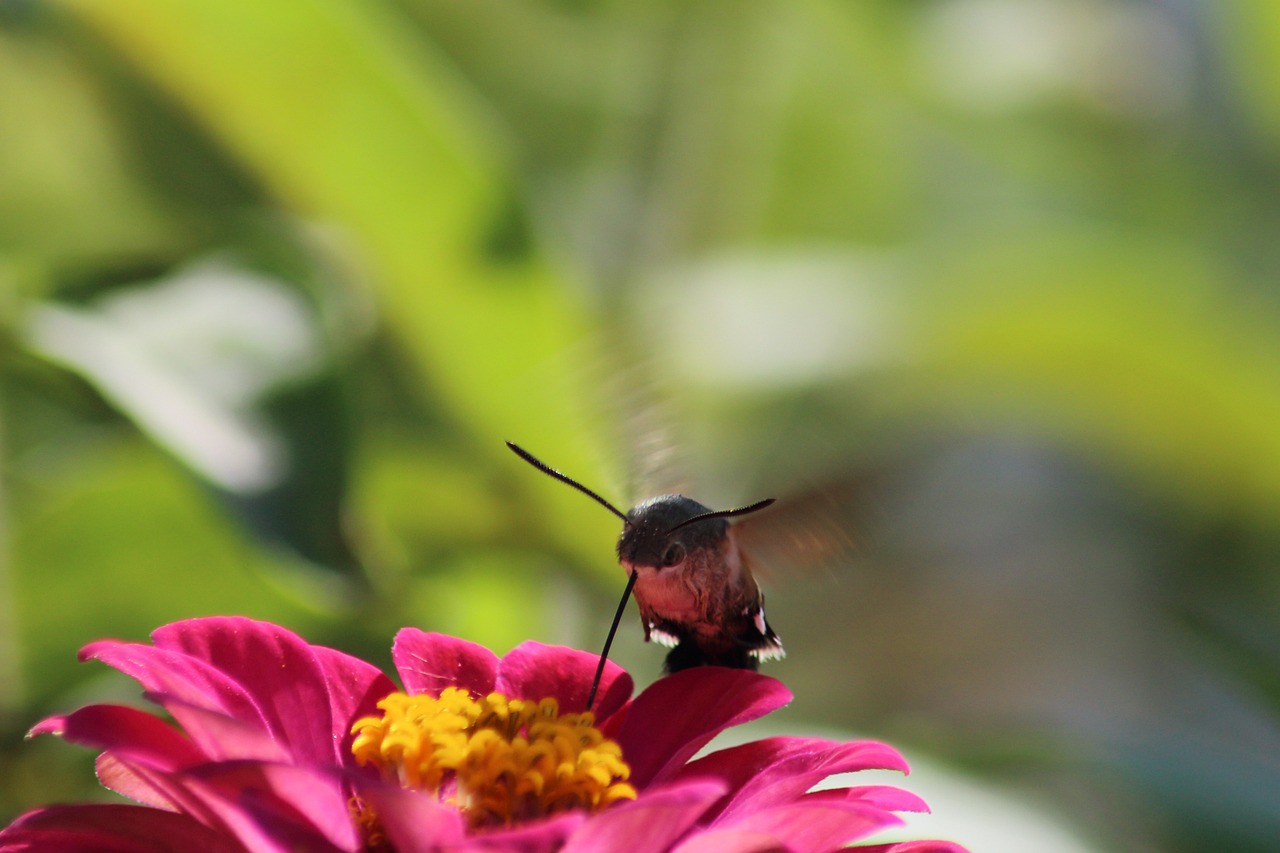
(691, 579)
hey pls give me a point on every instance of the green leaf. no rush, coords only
(347, 120)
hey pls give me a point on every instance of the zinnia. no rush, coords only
(285, 746)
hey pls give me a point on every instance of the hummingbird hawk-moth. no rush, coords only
(691, 578)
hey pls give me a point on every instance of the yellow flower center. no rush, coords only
(499, 760)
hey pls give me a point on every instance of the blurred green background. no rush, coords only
(987, 287)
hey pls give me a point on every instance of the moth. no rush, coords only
(692, 580)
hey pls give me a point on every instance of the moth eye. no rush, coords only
(674, 554)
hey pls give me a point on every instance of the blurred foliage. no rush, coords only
(996, 277)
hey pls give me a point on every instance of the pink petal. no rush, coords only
(287, 679)
(885, 797)
(542, 836)
(355, 688)
(419, 823)
(729, 841)
(281, 795)
(678, 715)
(118, 775)
(912, 847)
(414, 822)
(817, 827)
(48, 726)
(535, 671)
(121, 829)
(165, 789)
(178, 675)
(141, 737)
(428, 663)
(262, 827)
(220, 737)
(119, 727)
(650, 824)
(775, 771)
(261, 817)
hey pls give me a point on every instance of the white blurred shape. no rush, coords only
(996, 55)
(983, 819)
(770, 320)
(188, 358)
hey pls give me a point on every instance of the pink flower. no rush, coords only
(262, 756)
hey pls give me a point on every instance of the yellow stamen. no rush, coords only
(499, 760)
(370, 829)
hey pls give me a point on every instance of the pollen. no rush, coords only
(499, 760)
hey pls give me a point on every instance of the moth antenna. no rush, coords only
(564, 478)
(631, 581)
(608, 641)
(723, 513)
